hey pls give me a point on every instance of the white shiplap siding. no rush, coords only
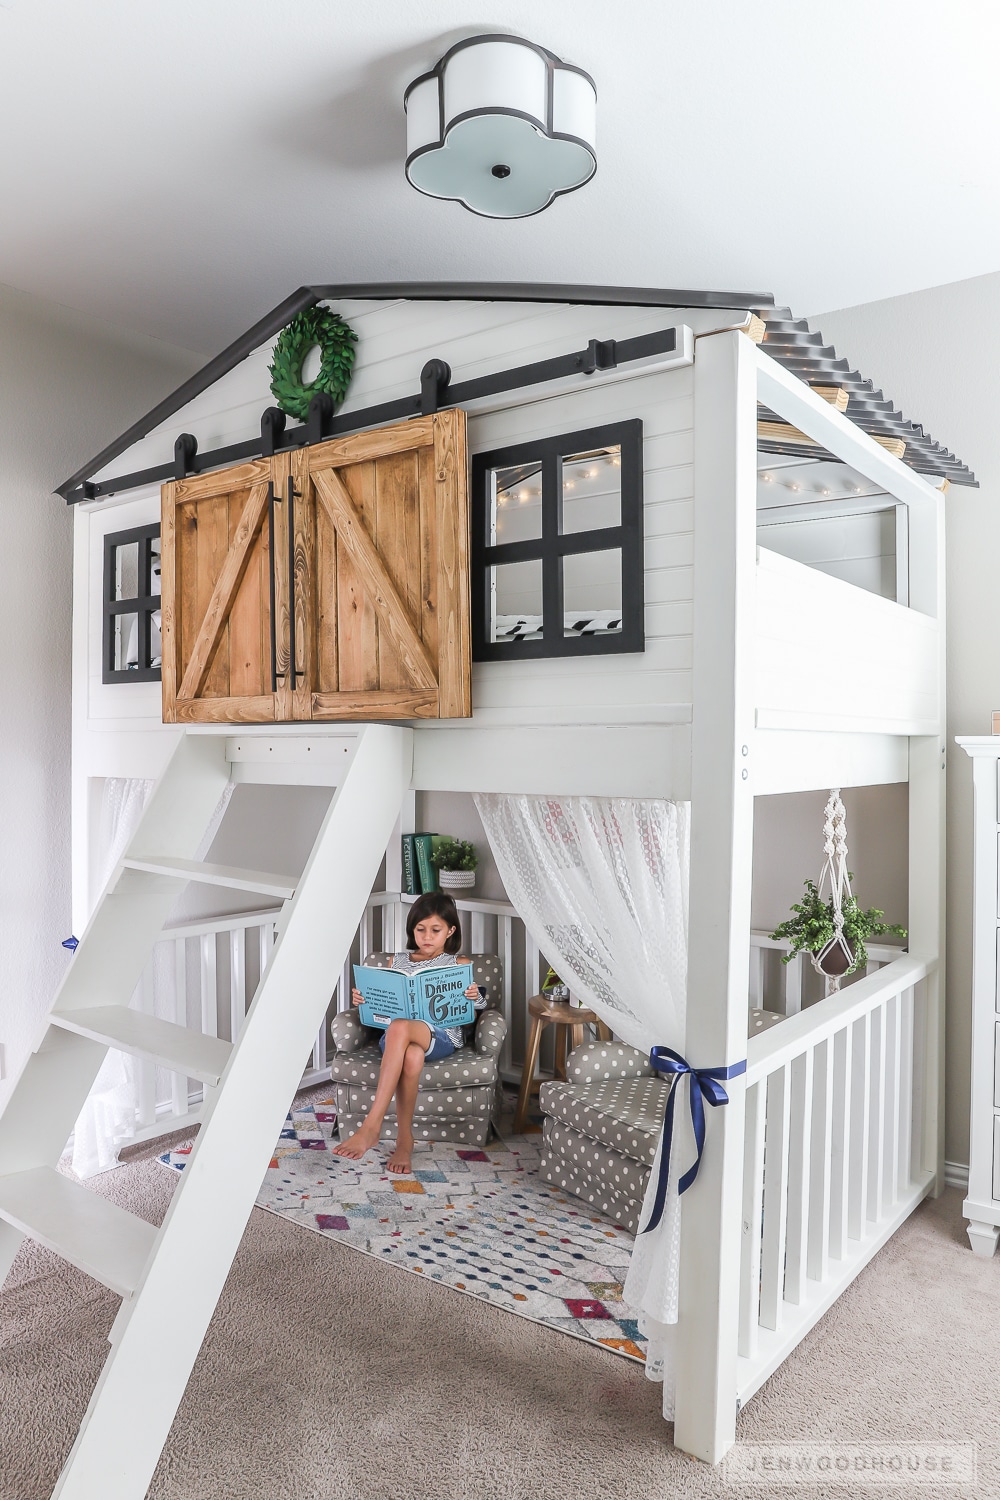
(395, 339)
(653, 686)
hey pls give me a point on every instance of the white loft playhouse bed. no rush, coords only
(760, 674)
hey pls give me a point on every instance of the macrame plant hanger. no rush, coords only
(835, 871)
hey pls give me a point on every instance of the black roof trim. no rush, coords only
(209, 373)
(542, 291)
(413, 291)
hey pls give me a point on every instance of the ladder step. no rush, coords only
(96, 1236)
(227, 875)
(174, 1047)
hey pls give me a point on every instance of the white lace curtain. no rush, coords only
(602, 886)
(109, 1116)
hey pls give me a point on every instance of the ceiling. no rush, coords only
(178, 168)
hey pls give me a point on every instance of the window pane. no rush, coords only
(592, 593)
(515, 504)
(592, 490)
(155, 644)
(516, 601)
(126, 643)
(127, 571)
(154, 565)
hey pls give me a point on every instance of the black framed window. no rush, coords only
(132, 651)
(557, 566)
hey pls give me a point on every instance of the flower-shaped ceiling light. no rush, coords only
(502, 126)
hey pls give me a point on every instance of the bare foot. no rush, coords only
(400, 1161)
(357, 1144)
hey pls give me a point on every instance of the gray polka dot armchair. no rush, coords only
(458, 1097)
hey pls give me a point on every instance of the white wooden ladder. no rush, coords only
(170, 1279)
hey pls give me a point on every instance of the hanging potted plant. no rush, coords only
(455, 861)
(833, 931)
(813, 930)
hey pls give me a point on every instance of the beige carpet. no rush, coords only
(327, 1376)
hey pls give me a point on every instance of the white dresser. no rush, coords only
(982, 1206)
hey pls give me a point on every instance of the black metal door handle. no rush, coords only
(270, 580)
(291, 582)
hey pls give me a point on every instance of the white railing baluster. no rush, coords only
(800, 1175)
(265, 942)
(531, 962)
(775, 1199)
(858, 1151)
(893, 1062)
(178, 1081)
(756, 977)
(906, 1090)
(793, 985)
(753, 1207)
(840, 1134)
(876, 1142)
(147, 1070)
(209, 985)
(819, 1180)
(237, 981)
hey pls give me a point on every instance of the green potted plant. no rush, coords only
(455, 861)
(812, 929)
(553, 987)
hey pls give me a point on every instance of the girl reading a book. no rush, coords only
(433, 938)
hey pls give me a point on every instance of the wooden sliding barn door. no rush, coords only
(216, 597)
(331, 582)
(392, 572)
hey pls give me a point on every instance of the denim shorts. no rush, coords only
(441, 1044)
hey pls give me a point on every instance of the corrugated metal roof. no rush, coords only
(791, 343)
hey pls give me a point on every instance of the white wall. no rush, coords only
(788, 849)
(68, 385)
(935, 355)
(454, 813)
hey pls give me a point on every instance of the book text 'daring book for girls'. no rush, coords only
(436, 996)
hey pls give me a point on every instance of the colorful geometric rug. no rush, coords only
(480, 1222)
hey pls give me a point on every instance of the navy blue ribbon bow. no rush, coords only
(706, 1084)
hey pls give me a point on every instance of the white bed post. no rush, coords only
(725, 405)
(926, 920)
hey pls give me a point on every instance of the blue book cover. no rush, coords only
(436, 996)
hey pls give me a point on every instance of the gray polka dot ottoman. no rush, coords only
(601, 1127)
(459, 1096)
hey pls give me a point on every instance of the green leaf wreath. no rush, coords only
(336, 340)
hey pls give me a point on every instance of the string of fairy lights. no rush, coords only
(524, 492)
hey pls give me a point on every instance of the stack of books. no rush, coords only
(419, 874)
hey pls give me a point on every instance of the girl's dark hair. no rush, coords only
(435, 904)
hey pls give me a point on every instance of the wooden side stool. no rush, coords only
(571, 1020)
